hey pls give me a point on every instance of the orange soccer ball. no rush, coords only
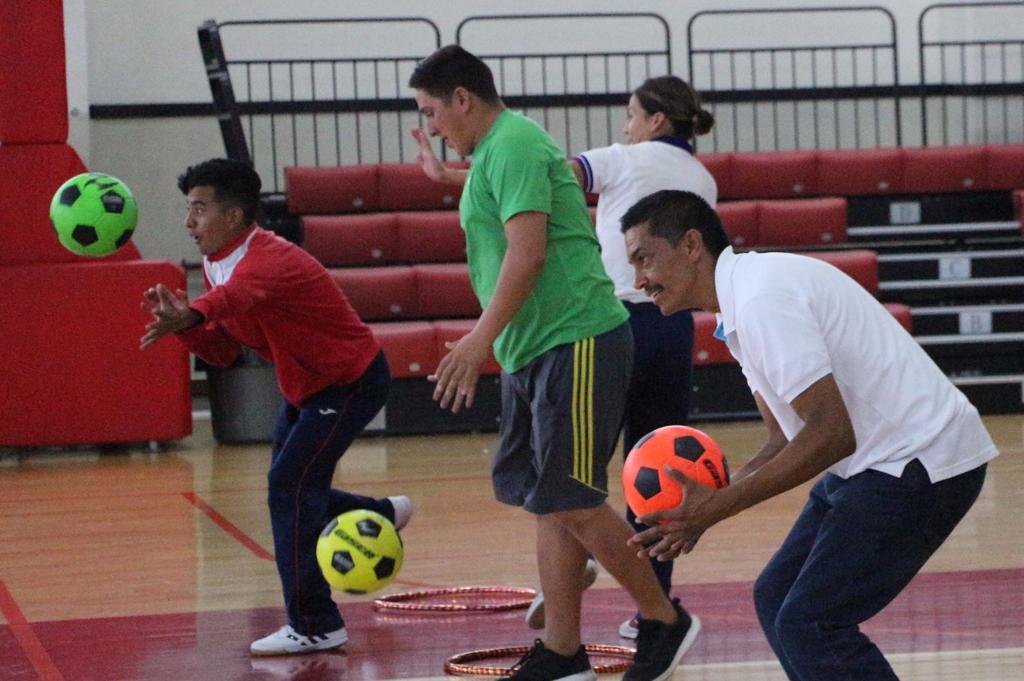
(691, 452)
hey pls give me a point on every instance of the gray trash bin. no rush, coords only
(244, 399)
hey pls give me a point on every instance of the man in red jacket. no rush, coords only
(270, 295)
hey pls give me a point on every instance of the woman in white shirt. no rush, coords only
(663, 117)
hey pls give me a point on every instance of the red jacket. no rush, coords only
(270, 295)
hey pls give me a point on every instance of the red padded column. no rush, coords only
(73, 371)
(33, 91)
(29, 175)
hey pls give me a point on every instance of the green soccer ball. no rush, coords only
(94, 214)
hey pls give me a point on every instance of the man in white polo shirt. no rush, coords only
(842, 388)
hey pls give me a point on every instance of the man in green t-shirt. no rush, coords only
(564, 344)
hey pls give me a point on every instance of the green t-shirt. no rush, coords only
(516, 168)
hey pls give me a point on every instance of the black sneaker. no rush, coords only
(660, 646)
(541, 664)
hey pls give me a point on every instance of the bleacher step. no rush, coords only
(995, 394)
(951, 265)
(950, 283)
(951, 230)
(961, 344)
(928, 207)
(956, 290)
(968, 319)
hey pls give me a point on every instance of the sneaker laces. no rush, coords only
(531, 654)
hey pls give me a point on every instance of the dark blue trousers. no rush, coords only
(659, 391)
(308, 442)
(855, 546)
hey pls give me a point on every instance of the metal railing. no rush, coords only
(970, 82)
(326, 109)
(580, 94)
(771, 93)
(329, 99)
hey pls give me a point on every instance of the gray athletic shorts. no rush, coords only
(560, 421)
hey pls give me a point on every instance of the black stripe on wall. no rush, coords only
(191, 109)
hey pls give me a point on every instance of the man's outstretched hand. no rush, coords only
(678, 529)
(171, 314)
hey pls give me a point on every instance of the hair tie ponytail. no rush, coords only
(703, 121)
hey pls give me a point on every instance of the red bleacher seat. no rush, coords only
(337, 240)
(430, 236)
(379, 293)
(706, 348)
(854, 172)
(802, 222)
(1004, 166)
(943, 169)
(451, 330)
(739, 175)
(410, 347)
(774, 174)
(444, 290)
(403, 186)
(347, 189)
(861, 265)
(720, 167)
(902, 314)
(739, 218)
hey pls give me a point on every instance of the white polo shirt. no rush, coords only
(790, 320)
(625, 173)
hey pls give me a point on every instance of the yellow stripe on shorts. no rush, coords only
(583, 411)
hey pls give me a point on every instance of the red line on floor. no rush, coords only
(229, 527)
(27, 639)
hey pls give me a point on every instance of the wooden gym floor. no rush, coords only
(128, 565)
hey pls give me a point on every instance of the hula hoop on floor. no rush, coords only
(457, 664)
(406, 600)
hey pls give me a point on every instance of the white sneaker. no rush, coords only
(286, 641)
(630, 628)
(403, 511)
(535, 613)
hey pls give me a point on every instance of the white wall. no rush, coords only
(146, 52)
(76, 55)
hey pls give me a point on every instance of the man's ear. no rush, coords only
(461, 98)
(237, 216)
(693, 240)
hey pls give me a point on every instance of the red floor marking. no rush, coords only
(229, 527)
(26, 637)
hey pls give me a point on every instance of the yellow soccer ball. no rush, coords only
(359, 552)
